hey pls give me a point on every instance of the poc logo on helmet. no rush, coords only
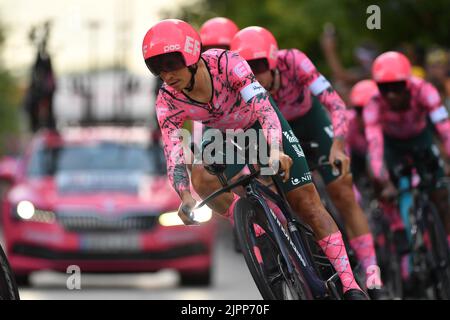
(172, 47)
(192, 46)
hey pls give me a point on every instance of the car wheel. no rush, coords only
(202, 279)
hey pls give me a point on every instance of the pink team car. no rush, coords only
(99, 198)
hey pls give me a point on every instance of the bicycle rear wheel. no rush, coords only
(440, 255)
(8, 287)
(264, 259)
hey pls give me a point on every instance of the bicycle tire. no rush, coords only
(440, 253)
(388, 258)
(8, 286)
(271, 287)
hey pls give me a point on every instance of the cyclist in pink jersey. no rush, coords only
(399, 123)
(356, 141)
(300, 91)
(219, 89)
(215, 33)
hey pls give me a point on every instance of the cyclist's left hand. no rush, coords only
(337, 153)
(285, 162)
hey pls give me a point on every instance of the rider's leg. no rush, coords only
(343, 197)
(360, 237)
(306, 203)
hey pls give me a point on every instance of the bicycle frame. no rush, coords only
(258, 192)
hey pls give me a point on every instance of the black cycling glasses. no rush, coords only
(165, 63)
(259, 65)
(395, 87)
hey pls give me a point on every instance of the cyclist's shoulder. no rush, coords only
(167, 96)
(221, 61)
(371, 111)
(213, 54)
(217, 56)
(297, 61)
(291, 56)
(416, 82)
(424, 91)
(165, 93)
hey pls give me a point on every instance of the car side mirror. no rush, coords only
(9, 168)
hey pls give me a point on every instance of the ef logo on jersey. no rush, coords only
(192, 46)
(242, 69)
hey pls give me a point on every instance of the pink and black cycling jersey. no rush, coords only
(299, 78)
(380, 120)
(356, 138)
(238, 101)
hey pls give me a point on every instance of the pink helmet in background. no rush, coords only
(256, 43)
(362, 91)
(391, 66)
(218, 31)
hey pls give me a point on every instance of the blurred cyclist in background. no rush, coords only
(396, 126)
(216, 33)
(219, 89)
(437, 69)
(301, 93)
(360, 95)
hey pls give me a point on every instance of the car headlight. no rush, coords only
(201, 215)
(26, 210)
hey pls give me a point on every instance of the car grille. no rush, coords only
(82, 223)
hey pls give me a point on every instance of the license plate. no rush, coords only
(110, 242)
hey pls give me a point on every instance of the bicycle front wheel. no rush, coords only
(263, 256)
(8, 287)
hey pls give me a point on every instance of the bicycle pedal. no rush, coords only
(331, 285)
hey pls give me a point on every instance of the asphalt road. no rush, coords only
(232, 280)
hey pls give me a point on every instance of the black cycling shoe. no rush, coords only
(355, 294)
(378, 294)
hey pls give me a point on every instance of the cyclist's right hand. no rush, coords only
(185, 210)
(389, 192)
(285, 162)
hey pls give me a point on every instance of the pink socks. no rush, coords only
(334, 248)
(365, 252)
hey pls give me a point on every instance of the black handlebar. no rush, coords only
(189, 215)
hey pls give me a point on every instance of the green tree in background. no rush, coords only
(299, 23)
(9, 106)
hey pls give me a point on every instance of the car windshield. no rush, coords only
(103, 156)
